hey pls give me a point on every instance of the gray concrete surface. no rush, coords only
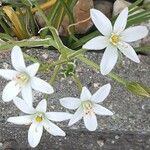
(128, 129)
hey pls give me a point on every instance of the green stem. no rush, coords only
(31, 58)
(97, 68)
(78, 82)
(53, 77)
(54, 32)
(27, 43)
(76, 53)
(89, 62)
(116, 77)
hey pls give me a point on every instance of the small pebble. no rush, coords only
(117, 137)
(112, 142)
(45, 56)
(100, 143)
(96, 85)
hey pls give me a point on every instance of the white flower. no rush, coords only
(114, 38)
(22, 79)
(38, 118)
(87, 106)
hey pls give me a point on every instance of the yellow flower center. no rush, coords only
(114, 39)
(22, 78)
(87, 107)
(39, 118)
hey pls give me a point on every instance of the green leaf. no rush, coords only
(138, 89)
(135, 4)
(27, 2)
(6, 37)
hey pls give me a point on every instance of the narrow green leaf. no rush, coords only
(6, 37)
(135, 4)
(138, 89)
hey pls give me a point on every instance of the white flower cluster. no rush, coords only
(23, 80)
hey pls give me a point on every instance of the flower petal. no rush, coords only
(41, 86)
(134, 33)
(32, 69)
(109, 59)
(27, 94)
(23, 106)
(58, 116)
(97, 43)
(101, 22)
(101, 94)
(35, 134)
(90, 122)
(8, 74)
(20, 120)
(121, 21)
(76, 117)
(70, 102)
(17, 58)
(42, 106)
(85, 94)
(10, 91)
(53, 129)
(128, 51)
(100, 110)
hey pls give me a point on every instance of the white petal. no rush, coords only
(32, 69)
(58, 116)
(35, 134)
(42, 106)
(90, 122)
(76, 117)
(101, 22)
(109, 59)
(8, 74)
(23, 106)
(27, 94)
(41, 86)
(134, 33)
(20, 120)
(100, 110)
(10, 91)
(53, 129)
(70, 102)
(85, 94)
(128, 51)
(121, 21)
(17, 58)
(97, 43)
(101, 94)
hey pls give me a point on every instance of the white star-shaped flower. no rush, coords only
(87, 106)
(38, 118)
(114, 38)
(22, 79)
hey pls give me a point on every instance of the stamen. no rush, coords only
(87, 107)
(114, 39)
(39, 118)
(22, 78)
